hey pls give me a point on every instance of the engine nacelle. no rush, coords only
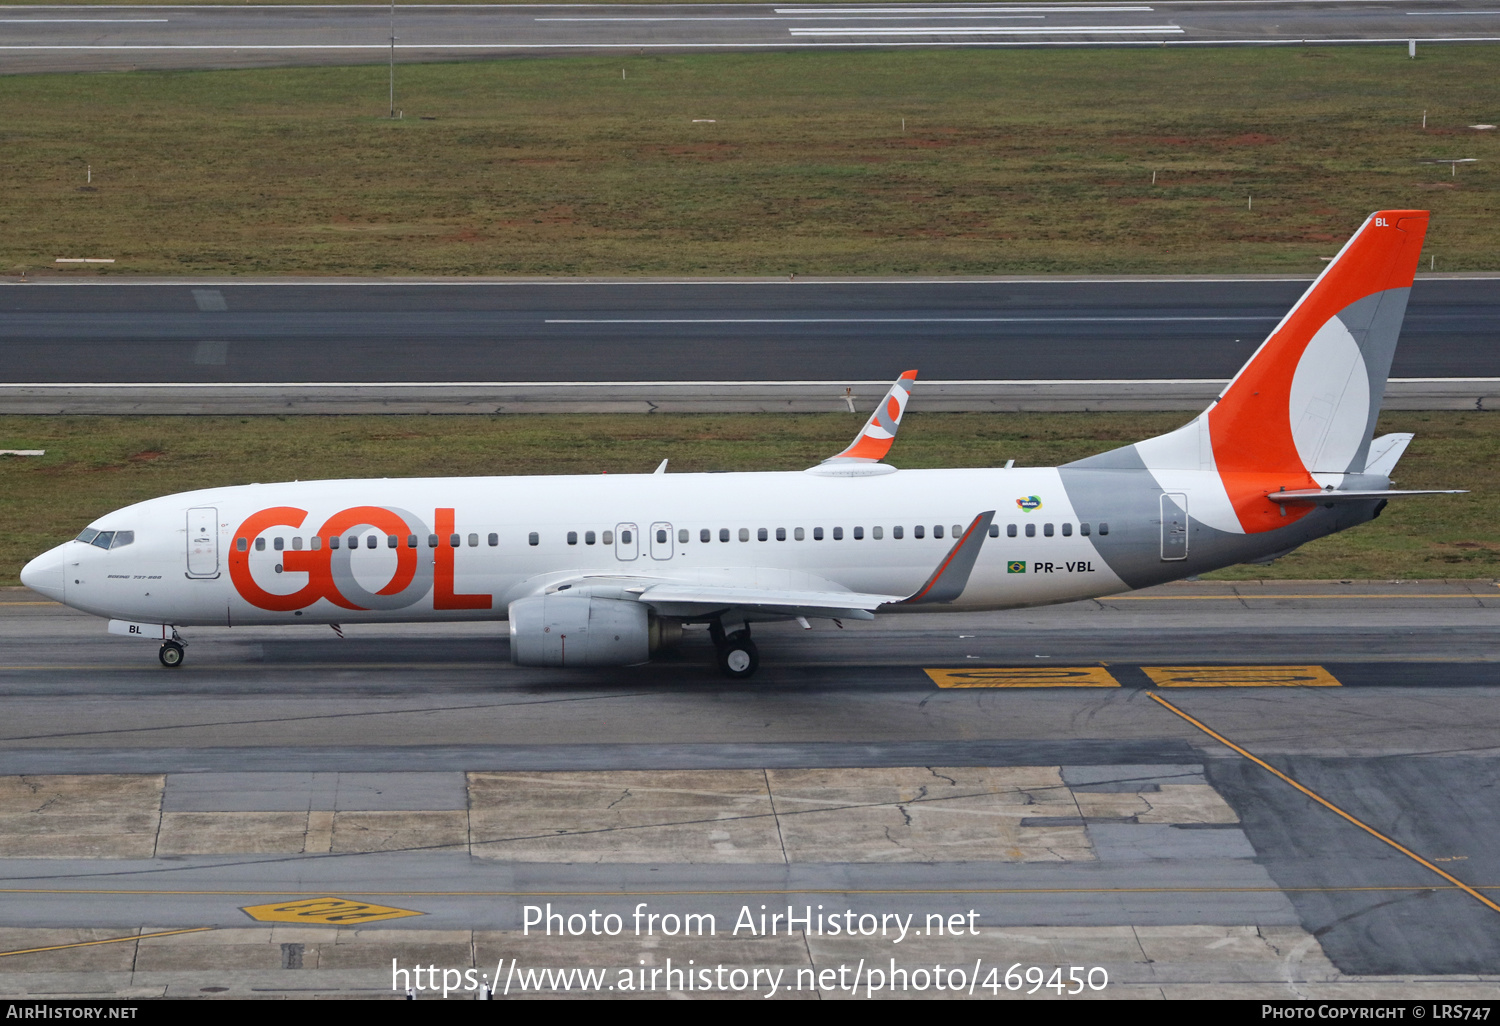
(578, 630)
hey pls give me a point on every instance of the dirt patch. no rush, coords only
(147, 455)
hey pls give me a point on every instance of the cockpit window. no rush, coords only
(103, 539)
(122, 539)
(87, 535)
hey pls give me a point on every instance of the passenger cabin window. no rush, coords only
(411, 541)
(877, 533)
(608, 538)
(723, 534)
(333, 542)
(432, 541)
(817, 534)
(859, 534)
(744, 534)
(494, 539)
(705, 535)
(1031, 530)
(1067, 530)
(1010, 530)
(958, 530)
(572, 537)
(919, 531)
(799, 534)
(297, 544)
(453, 541)
(937, 530)
(589, 537)
(661, 536)
(278, 544)
(1047, 530)
(994, 530)
(260, 545)
(838, 534)
(371, 541)
(1083, 529)
(897, 532)
(317, 542)
(533, 539)
(391, 542)
(242, 544)
(354, 541)
(781, 534)
(1103, 527)
(682, 536)
(473, 541)
(761, 534)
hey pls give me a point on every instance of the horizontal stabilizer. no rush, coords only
(1320, 497)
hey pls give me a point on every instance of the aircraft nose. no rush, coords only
(45, 574)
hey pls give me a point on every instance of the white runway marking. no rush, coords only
(996, 30)
(855, 17)
(899, 320)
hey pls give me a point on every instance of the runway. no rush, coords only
(1045, 786)
(98, 38)
(313, 331)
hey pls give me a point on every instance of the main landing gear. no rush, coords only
(171, 654)
(736, 653)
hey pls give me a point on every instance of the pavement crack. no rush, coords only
(941, 777)
(906, 816)
(625, 794)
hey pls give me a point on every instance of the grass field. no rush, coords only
(1010, 161)
(96, 464)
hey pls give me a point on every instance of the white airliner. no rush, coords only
(604, 570)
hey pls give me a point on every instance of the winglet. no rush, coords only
(875, 438)
(951, 577)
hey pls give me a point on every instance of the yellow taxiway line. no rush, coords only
(1455, 881)
(110, 940)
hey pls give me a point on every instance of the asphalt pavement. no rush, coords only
(79, 38)
(310, 331)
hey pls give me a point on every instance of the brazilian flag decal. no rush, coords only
(1016, 566)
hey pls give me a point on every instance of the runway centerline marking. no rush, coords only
(109, 940)
(1024, 677)
(1240, 677)
(1455, 881)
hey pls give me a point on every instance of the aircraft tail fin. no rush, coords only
(875, 438)
(1307, 400)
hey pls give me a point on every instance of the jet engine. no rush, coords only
(579, 630)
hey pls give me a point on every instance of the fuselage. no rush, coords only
(465, 548)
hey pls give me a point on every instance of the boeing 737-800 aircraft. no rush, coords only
(604, 570)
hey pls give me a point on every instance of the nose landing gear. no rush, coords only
(171, 654)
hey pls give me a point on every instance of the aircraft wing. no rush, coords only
(945, 584)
